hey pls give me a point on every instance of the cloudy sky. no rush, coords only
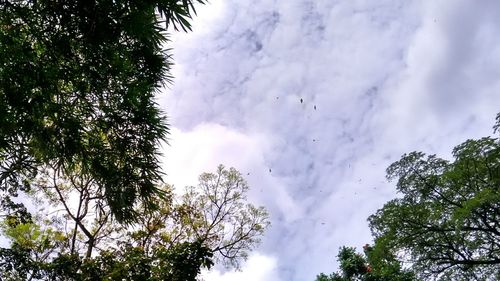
(312, 100)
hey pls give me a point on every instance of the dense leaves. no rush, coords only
(447, 222)
(373, 265)
(73, 231)
(444, 226)
(215, 213)
(77, 85)
(79, 138)
(181, 262)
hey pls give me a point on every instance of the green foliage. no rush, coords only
(31, 236)
(15, 264)
(370, 266)
(79, 134)
(447, 222)
(215, 213)
(44, 253)
(78, 240)
(77, 85)
(181, 262)
(445, 226)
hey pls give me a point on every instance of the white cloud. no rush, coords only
(258, 267)
(376, 79)
(201, 149)
(448, 86)
(207, 145)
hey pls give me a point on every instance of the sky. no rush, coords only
(312, 100)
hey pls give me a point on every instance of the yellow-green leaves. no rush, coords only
(31, 236)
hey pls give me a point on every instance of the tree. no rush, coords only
(447, 221)
(181, 235)
(77, 85)
(181, 262)
(372, 265)
(216, 212)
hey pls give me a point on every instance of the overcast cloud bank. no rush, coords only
(311, 100)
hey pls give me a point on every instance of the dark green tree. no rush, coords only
(447, 221)
(77, 85)
(375, 264)
(180, 262)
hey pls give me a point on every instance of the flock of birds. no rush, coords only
(314, 140)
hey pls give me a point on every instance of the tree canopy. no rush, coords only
(76, 238)
(77, 85)
(447, 221)
(445, 225)
(79, 139)
(373, 265)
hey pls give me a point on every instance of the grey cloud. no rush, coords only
(385, 79)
